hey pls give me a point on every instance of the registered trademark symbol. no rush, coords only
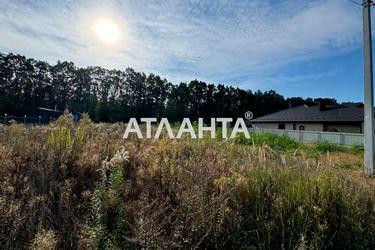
(249, 115)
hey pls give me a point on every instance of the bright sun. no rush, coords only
(107, 31)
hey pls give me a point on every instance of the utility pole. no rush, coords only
(368, 95)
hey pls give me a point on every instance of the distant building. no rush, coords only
(346, 118)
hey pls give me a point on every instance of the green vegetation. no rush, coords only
(286, 143)
(89, 189)
(115, 95)
(324, 146)
(279, 142)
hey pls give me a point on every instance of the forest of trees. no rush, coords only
(114, 95)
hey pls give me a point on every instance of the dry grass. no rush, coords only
(80, 187)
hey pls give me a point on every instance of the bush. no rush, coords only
(275, 141)
(109, 208)
(357, 149)
(44, 240)
(326, 146)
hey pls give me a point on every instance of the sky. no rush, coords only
(296, 47)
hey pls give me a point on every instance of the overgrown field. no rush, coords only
(83, 187)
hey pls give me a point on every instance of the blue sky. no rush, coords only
(296, 47)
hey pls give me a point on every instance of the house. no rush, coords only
(347, 118)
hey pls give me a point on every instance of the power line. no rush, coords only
(355, 2)
(360, 4)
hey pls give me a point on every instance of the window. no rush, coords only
(294, 126)
(282, 126)
(301, 127)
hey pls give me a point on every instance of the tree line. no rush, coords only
(106, 95)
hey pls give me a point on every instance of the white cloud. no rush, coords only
(217, 40)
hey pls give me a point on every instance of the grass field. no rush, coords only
(83, 187)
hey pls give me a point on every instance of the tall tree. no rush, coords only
(114, 95)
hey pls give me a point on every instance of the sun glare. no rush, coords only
(107, 31)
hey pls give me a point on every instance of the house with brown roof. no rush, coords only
(346, 118)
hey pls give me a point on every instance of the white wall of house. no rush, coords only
(290, 126)
(266, 125)
(345, 128)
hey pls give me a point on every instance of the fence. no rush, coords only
(25, 119)
(344, 139)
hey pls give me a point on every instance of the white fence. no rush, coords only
(344, 139)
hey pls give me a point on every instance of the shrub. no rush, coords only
(357, 149)
(65, 135)
(109, 211)
(44, 240)
(275, 141)
(326, 146)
